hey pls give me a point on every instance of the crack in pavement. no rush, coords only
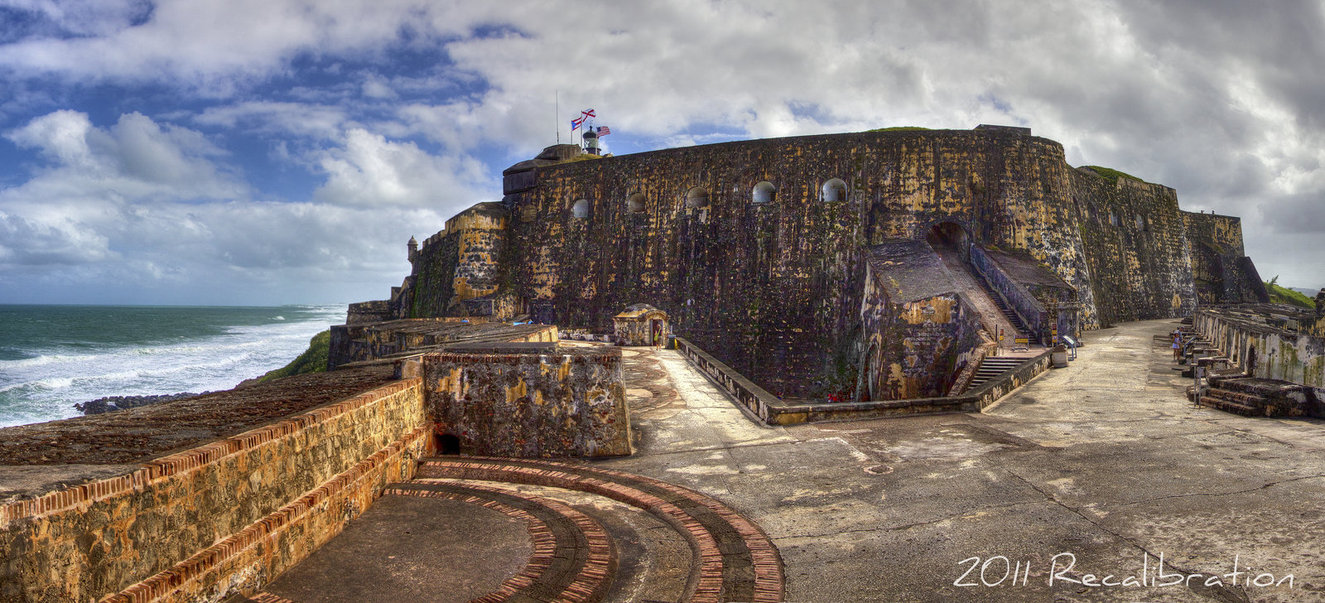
(1262, 487)
(1219, 592)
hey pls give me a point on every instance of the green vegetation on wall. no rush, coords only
(1284, 295)
(1111, 174)
(313, 360)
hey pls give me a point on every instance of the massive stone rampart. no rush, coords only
(1136, 248)
(1220, 268)
(755, 248)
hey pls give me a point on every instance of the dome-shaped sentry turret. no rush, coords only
(413, 246)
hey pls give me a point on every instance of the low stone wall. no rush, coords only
(567, 404)
(1271, 352)
(357, 343)
(216, 519)
(769, 409)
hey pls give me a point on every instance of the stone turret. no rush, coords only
(413, 247)
(1320, 303)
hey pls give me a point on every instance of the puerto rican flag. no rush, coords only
(576, 123)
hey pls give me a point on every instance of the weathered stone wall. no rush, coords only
(1222, 272)
(568, 404)
(220, 518)
(1137, 248)
(1043, 301)
(353, 343)
(913, 349)
(754, 248)
(459, 263)
(1272, 352)
(774, 288)
(368, 312)
(432, 277)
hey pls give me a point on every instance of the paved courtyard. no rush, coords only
(1102, 466)
(1071, 489)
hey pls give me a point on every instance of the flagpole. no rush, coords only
(556, 113)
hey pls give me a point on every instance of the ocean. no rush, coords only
(54, 356)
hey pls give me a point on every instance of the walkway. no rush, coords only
(1104, 460)
(1103, 464)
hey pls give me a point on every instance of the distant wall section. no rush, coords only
(1220, 268)
(1136, 248)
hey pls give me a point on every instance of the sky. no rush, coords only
(283, 151)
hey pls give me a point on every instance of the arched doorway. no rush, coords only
(448, 444)
(950, 235)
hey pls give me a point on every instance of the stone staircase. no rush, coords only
(1252, 397)
(1022, 330)
(991, 367)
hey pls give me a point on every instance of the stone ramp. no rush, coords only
(992, 312)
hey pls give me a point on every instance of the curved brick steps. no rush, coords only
(735, 559)
(573, 558)
(572, 561)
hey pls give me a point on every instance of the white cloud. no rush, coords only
(369, 170)
(135, 159)
(300, 119)
(1219, 101)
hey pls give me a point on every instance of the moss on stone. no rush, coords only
(313, 360)
(1111, 174)
(901, 129)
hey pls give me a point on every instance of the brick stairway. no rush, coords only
(733, 560)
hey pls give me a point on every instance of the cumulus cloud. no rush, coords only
(417, 105)
(369, 170)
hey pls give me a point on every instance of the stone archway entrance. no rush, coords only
(950, 235)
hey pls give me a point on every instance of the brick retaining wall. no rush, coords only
(215, 519)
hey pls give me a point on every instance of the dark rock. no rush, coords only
(113, 403)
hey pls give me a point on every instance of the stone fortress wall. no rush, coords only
(228, 516)
(214, 519)
(756, 249)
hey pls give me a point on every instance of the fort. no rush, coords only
(863, 266)
(811, 368)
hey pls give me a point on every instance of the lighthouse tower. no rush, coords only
(590, 141)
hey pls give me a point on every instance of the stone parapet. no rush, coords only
(217, 518)
(529, 405)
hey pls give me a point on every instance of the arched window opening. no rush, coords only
(764, 192)
(1113, 219)
(835, 190)
(1140, 224)
(580, 209)
(697, 197)
(635, 203)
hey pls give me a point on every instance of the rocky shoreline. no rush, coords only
(113, 403)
